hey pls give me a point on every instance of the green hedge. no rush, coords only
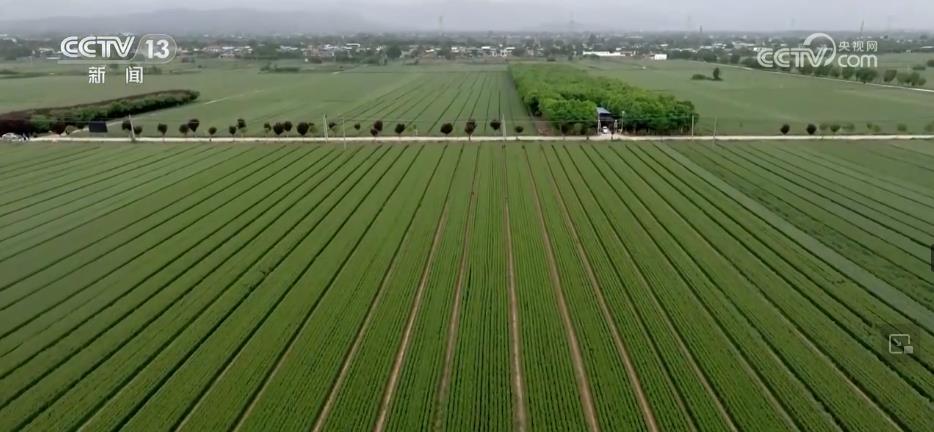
(569, 97)
(57, 119)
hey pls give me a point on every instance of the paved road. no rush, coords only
(390, 139)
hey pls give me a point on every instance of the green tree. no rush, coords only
(400, 128)
(447, 128)
(889, 75)
(302, 128)
(232, 130)
(183, 129)
(785, 128)
(212, 131)
(469, 128)
(393, 52)
(811, 129)
(193, 125)
(162, 128)
(716, 74)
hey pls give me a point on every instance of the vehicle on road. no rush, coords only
(12, 137)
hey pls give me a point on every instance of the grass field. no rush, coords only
(758, 102)
(422, 97)
(426, 96)
(543, 286)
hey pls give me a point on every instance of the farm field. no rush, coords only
(421, 97)
(516, 286)
(758, 102)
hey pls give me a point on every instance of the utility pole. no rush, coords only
(132, 132)
(692, 126)
(502, 126)
(325, 128)
(715, 119)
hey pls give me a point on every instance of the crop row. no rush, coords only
(124, 295)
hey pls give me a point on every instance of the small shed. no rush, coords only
(605, 118)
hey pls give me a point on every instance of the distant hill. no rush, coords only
(186, 21)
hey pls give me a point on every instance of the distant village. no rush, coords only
(365, 47)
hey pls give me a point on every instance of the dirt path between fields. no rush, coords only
(348, 360)
(647, 413)
(409, 325)
(518, 379)
(577, 359)
(445, 383)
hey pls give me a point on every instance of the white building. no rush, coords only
(603, 53)
(660, 57)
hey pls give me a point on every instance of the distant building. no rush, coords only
(603, 53)
(660, 57)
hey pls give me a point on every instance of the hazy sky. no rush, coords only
(826, 15)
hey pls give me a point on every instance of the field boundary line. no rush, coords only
(91, 260)
(518, 380)
(785, 193)
(848, 173)
(444, 382)
(752, 372)
(588, 221)
(835, 159)
(336, 387)
(818, 285)
(125, 293)
(689, 356)
(583, 382)
(113, 270)
(895, 298)
(239, 350)
(107, 163)
(784, 169)
(125, 205)
(29, 164)
(780, 313)
(249, 290)
(127, 171)
(647, 412)
(42, 175)
(149, 320)
(391, 384)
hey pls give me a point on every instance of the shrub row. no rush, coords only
(57, 119)
(569, 97)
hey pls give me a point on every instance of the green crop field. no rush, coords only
(422, 97)
(759, 102)
(539, 286)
